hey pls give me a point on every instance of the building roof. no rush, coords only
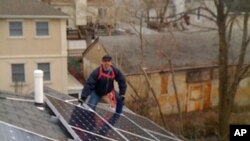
(238, 6)
(28, 9)
(62, 119)
(186, 50)
(100, 3)
(20, 111)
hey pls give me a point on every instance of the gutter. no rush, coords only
(34, 16)
(17, 99)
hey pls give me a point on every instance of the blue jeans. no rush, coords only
(94, 99)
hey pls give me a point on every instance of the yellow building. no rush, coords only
(32, 36)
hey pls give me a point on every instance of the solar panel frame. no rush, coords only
(61, 119)
(163, 137)
(133, 137)
(66, 123)
(83, 134)
(159, 134)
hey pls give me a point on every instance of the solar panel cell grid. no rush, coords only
(133, 137)
(85, 136)
(147, 124)
(105, 125)
(84, 119)
(120, 122)
(164, 138)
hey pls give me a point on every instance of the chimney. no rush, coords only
(38, 79)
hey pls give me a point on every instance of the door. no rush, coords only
(198, 96)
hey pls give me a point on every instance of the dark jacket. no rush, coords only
(104, 85)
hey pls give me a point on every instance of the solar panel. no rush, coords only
(146, 124)
(133, 137)
(124, 125)
(12, 133)
(84, 119)
(88, 136)
(162, 137)
(105, 125)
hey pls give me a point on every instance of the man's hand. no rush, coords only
(82, 100)
(122, 97)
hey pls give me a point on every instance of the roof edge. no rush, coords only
(168, 70)
(90, 46)
(33, 16)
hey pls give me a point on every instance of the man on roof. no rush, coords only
(101, 83)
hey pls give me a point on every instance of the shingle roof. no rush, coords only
(28, 8)
(188, 50)
(237, 6)
(21, 120)
(24, 114)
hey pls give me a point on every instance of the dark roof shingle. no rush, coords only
(24, 114)
(186, 50)
(28, 8)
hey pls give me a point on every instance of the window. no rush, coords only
(89, 19)
(198, 17)
(18, 74)
(164, 84)
(42, 28)
(102, 12)
(198, 76)
(15, 28)
(45, 67)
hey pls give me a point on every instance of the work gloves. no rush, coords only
(122, 97)
(82, 100)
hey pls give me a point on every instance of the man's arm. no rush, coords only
(121, 82)
(90, 84)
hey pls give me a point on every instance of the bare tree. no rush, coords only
(226, 21)
(226, 18)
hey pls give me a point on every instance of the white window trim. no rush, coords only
(49, 29)
(25, 73)
(15, 37)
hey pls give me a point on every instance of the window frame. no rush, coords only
(37, 30)
(198, 75)
(45, 72)
(198, 15)
(18, 72)
(102, 11)
(22, 29)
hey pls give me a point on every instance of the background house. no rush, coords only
(84, 12)
(33, 36)
(194, 57)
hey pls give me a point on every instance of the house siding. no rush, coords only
(30, 44)
(30, 50)
(92, 59)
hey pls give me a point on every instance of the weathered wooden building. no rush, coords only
(194, 57)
